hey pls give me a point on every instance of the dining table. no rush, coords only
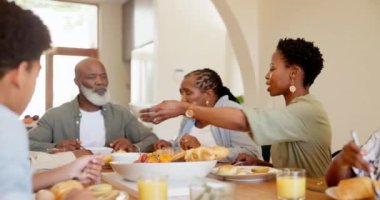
(263, 190)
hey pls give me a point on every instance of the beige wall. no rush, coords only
(110, 51)
(347, 33)
(190, 35)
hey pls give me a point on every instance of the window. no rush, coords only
(74, 31)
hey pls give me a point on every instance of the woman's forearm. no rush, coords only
(45, 179)
(337, 172)
(228, 118)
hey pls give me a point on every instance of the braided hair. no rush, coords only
(206, 79)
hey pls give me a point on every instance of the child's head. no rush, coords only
(23, 38)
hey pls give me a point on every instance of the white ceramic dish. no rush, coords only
(251, 177)
(331, 192)
(100, 150)
(173, 170)
(125, 157)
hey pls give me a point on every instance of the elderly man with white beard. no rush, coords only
(90, 120)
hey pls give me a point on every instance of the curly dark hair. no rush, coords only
(304, 54)
(23, 36)
(208, 79)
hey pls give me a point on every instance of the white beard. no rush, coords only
(95, 98)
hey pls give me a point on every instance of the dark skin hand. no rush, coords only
(248, 159)
(123, 144)
(189, 142)
(161, 144)
(341, 167)
(69, 145)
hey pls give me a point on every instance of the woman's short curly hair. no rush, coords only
(304, 54)
(23, 36)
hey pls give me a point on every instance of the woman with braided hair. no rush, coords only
(300, 132)
(204, 87)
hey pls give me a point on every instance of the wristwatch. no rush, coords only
(189, 112)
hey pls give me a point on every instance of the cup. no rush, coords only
(291, 184)
(212, 191)
(152, 187)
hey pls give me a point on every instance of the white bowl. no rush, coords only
(136, 108)
(173, 170)
(125, 157)
(100, 150)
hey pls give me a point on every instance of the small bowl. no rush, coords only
(125, 157)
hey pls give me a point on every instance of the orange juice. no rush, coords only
(291, 187)
(152, 189)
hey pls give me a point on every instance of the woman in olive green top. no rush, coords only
(300, 132)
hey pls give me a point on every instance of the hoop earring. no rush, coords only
(292, 87)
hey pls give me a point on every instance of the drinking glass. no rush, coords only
(291, 184)
(152, 187)
(212, 191)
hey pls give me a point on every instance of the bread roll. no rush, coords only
(45, 195)
(260, 169)
(227, 170)
(355, 188)
(220, 152)
(206, 153)
(62, 188)
(100, 189)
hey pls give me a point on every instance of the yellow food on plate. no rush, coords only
(227, 170)
(120, 151)
(45, 195)
(100, 189)
(355, 188)
(62, 188)
(206, 153)
(107, 159)
(259, 169)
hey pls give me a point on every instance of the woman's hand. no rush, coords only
(246, 159)
(161, 144)
(352, 156)
(189, 142)
(86, 169)
(163, 111)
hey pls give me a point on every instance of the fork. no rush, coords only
(354, 136)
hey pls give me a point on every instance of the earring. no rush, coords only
(292, 87)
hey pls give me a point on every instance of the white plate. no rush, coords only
(100, 150)
(254, 177)
(331, 192)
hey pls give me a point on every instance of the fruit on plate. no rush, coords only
(107, 159)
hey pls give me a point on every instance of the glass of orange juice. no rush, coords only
(152, 187)
(291, 184)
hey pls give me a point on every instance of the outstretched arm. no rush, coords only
(86, 169)
(228, 118)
